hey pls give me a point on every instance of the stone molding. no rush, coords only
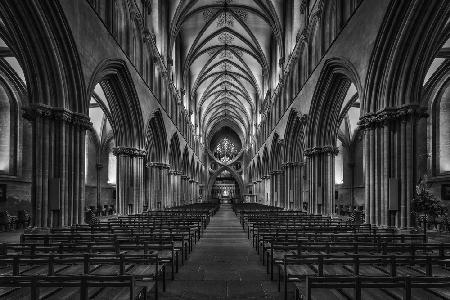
(129, 151)
(292, 164)
(157, 165)
(321, 150)
(57, 113)
(391, 114)
(276, 172)
(175, 172)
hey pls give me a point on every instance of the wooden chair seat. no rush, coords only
(69, 293)
(321, 294)
(418, 294)
(376, 294)
(5, 291)
(300, 270)
(443, 293)
(76, 269)
(113, 293)
(336, 270)
(366, 270)
(142, 271)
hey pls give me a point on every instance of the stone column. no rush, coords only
(300, 183)
(266, 189)
(259, 190)
(191, 191)
(196, 199)
(157, 185)
(99, 168)
(389, 153)
(172, 194)
(320, 162)
(276, 178)
(184, 189)
(287, 185)
(138, 197)
(58, 187)
(130, 179)
(179, 187)
(165, 186)
(272, 181)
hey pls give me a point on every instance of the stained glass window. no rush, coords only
(225, 150)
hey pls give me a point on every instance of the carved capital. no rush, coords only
(321, 150)
(157, 165)
(128, 151)
(392, 114)
(78, 120)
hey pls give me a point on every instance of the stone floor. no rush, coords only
(223, 265)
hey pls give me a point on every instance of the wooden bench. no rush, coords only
(84, 287)
(277, 250)
(296, 269)
(144, 268)
(359, 287)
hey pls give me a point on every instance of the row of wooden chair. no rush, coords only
(345, 261)
(130, 253)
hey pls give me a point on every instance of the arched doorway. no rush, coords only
(225, 188)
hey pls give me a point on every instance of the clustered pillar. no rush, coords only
(320, 164)
(172, 188)
(58, 195)
(157, 185)
(184, 189)
(389, 143)
(176, 187)
(130, 179)
(293, 184)
(277, 190)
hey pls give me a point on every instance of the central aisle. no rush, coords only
(223, 265)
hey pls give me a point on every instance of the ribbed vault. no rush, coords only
(226, 47)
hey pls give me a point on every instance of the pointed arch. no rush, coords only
(175, 153)
(156, 138)
(233, 173)
(336, 77)
(45, 48)
(115, 79)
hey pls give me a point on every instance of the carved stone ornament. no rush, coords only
(129, 151)
(293, 164)
(391, 114)
(321, 150)
(57, 113)
(157, 165)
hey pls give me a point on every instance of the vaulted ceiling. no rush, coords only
(225, 48)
